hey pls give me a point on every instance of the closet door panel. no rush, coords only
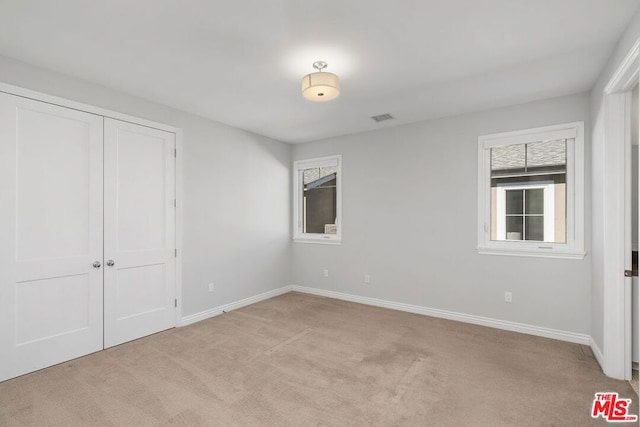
(139, 231)
(53, 201)
(51, 234)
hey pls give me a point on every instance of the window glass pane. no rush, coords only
(314, 174)
(507, 158)
(514, 228)
(534, 201)
(319, 205)
(560, 212)
(528, 198)
(534, 228)
(547, 153)
(522, 194)
(514, 201)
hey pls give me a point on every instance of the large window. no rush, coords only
(531, 192)
(317, 200)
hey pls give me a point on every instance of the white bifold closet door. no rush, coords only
(50, 234)
(139, 231)
(87, 233)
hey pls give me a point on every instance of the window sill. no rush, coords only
(317, 240)
(536, 253)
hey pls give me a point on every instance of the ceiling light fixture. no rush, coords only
(320, 86)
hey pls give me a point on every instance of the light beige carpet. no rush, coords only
(299, 360)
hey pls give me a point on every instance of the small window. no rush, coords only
(317, 200)
(531, 192)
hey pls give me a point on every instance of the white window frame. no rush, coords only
(574, 247)
(298, 201)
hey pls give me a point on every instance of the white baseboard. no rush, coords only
(193, 318)
(573, 337)
(597, 352)
(451, 315)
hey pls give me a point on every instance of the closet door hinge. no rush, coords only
(175, 203)
(175, 153)
(175, 302)
(175, 253)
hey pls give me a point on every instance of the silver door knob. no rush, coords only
(97, 264)
(111, 263)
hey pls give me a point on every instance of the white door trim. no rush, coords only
(617, 245)
(178, 171)
(55, 100)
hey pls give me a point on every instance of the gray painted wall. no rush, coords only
(238, 237)
(409, 220)
(631, 34)
(236, 193)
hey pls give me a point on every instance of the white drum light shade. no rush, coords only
(320, 86)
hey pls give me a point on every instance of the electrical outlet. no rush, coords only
(367, 278)
(211, 287)
(508, 297)
(325, 273)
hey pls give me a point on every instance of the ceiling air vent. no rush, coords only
(382, 117)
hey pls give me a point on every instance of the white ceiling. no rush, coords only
(240, 62)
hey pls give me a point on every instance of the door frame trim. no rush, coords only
(617, 164)
(178, 185)
(92, 109)
(87, 108)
